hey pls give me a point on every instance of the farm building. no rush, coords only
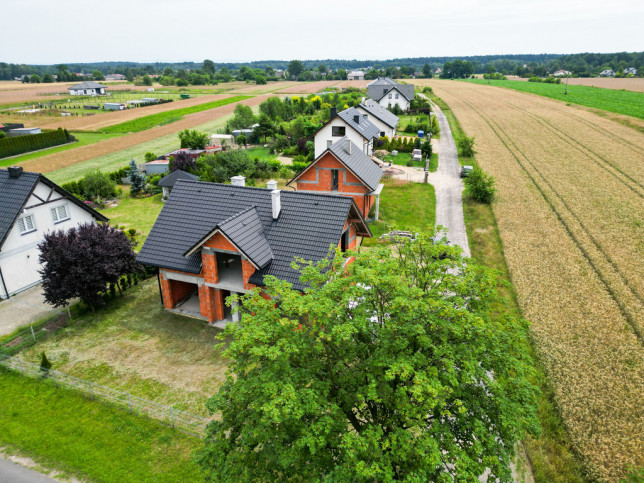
(23, 131)
(113, 106)
(87, 88)
(382, 118)
(350, 123)
(213, 240)
(607, 73)
(355, 75)
(30, 206)
(115, 77)
(562, 73)
(167, 182)
(158, 166)
(388, 93)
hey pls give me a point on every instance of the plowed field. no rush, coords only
(570, 211)
(63, 159)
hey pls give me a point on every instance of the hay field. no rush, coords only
(64, 159)
(12, 92)
(635, 84)
(570, 212)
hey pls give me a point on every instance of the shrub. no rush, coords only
(45, 364)
(480, 186)
(299, 166)
(193, 139)
(11, 146)
(149, 157)
(274, 165)
(132, 232)
(241, 140)
(96, 185)
(182, 161)
(465, 146)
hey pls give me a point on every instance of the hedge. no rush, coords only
(12, 146)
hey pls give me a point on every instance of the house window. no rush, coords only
(338, 130)
(382, 134)
(335, 176)
(59, 213)
(397, 96)
(26, 224)
(390, 95)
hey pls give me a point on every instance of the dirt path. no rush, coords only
(63, 159)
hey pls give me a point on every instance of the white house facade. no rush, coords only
(32, 206)
(386, 121)
(350, 123)
(393, 97)
(87, 88)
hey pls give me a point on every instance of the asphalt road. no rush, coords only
(11, 472)
(449, 187)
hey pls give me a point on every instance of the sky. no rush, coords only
(65, 31)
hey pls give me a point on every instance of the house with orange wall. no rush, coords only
(213, 240)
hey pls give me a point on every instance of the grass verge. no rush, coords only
(66, 431)
(550, 454)
(161, 118)
(409, 205)
(629, 103)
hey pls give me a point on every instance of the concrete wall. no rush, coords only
(19, 253)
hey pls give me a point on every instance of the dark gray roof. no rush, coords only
(364, 126)
(382, 85)
(87, 85)
(169, 180)
(307, 226)
(379, 112)
(358, 162)
(15, 192)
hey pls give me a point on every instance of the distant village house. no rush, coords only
(87, 88)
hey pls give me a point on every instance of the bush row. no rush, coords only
(12, 146)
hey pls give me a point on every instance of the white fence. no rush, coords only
(167, 415)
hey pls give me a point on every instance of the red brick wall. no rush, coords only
(211, 303)
(174, 290)
(219, 241)
(247, 271)
(209, 267)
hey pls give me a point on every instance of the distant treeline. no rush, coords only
(587, 64)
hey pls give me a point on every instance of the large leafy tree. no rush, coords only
(295, 68)
(193, 139)
(81, 262)
(387, 369)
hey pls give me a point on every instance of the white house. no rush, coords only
(562, 73)
(607, 73)
(385, 120)
(30, 206)
(355, 75)
(350, 123)
(87, 88)
(630, 71)
(387, 93)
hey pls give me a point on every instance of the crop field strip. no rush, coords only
(593, 357)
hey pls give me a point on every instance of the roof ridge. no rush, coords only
(232, 217)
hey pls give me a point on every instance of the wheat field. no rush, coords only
(570, 211)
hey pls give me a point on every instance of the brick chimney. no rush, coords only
(271, 185)
(238, 181)
(14, 171)
(277, 206)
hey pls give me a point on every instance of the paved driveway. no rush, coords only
(15, 473)
(23, 309)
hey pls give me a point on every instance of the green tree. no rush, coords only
(193, 139)
(35, 79)
(322, 69)
(465, 146)
(97, 75)
(137, 179)
(45, 364)
(147, 80)
(480, 186)
(295, 68)
(243, 117)
(266, 127)
(96, 185)
(260, 80)
(389, 368)
(209, 67)
(241, 140)
(427, 71)
(149, 157)
(48, 78)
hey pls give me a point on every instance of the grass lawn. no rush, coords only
(134, 345)
(411, 206)
(260, 152)
(65, 431)
(619, 101)
(161, 118)
(402, 159)
(139, 213)
(84, 138)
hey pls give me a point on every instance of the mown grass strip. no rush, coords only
(64, 430)
(628, 103)
(161, 118)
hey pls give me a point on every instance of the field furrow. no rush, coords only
(570, 215)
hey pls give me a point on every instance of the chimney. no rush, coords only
(238, 181)
(14, 171)
(356, 118)
(329, 142)
(334, 112)
(363, 99)
(277, 206)
(271, 185)
(349, 146)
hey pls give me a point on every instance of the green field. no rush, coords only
(65, 431)
(153, 120)
(84, 138)
(621, 102)
(411, 206)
